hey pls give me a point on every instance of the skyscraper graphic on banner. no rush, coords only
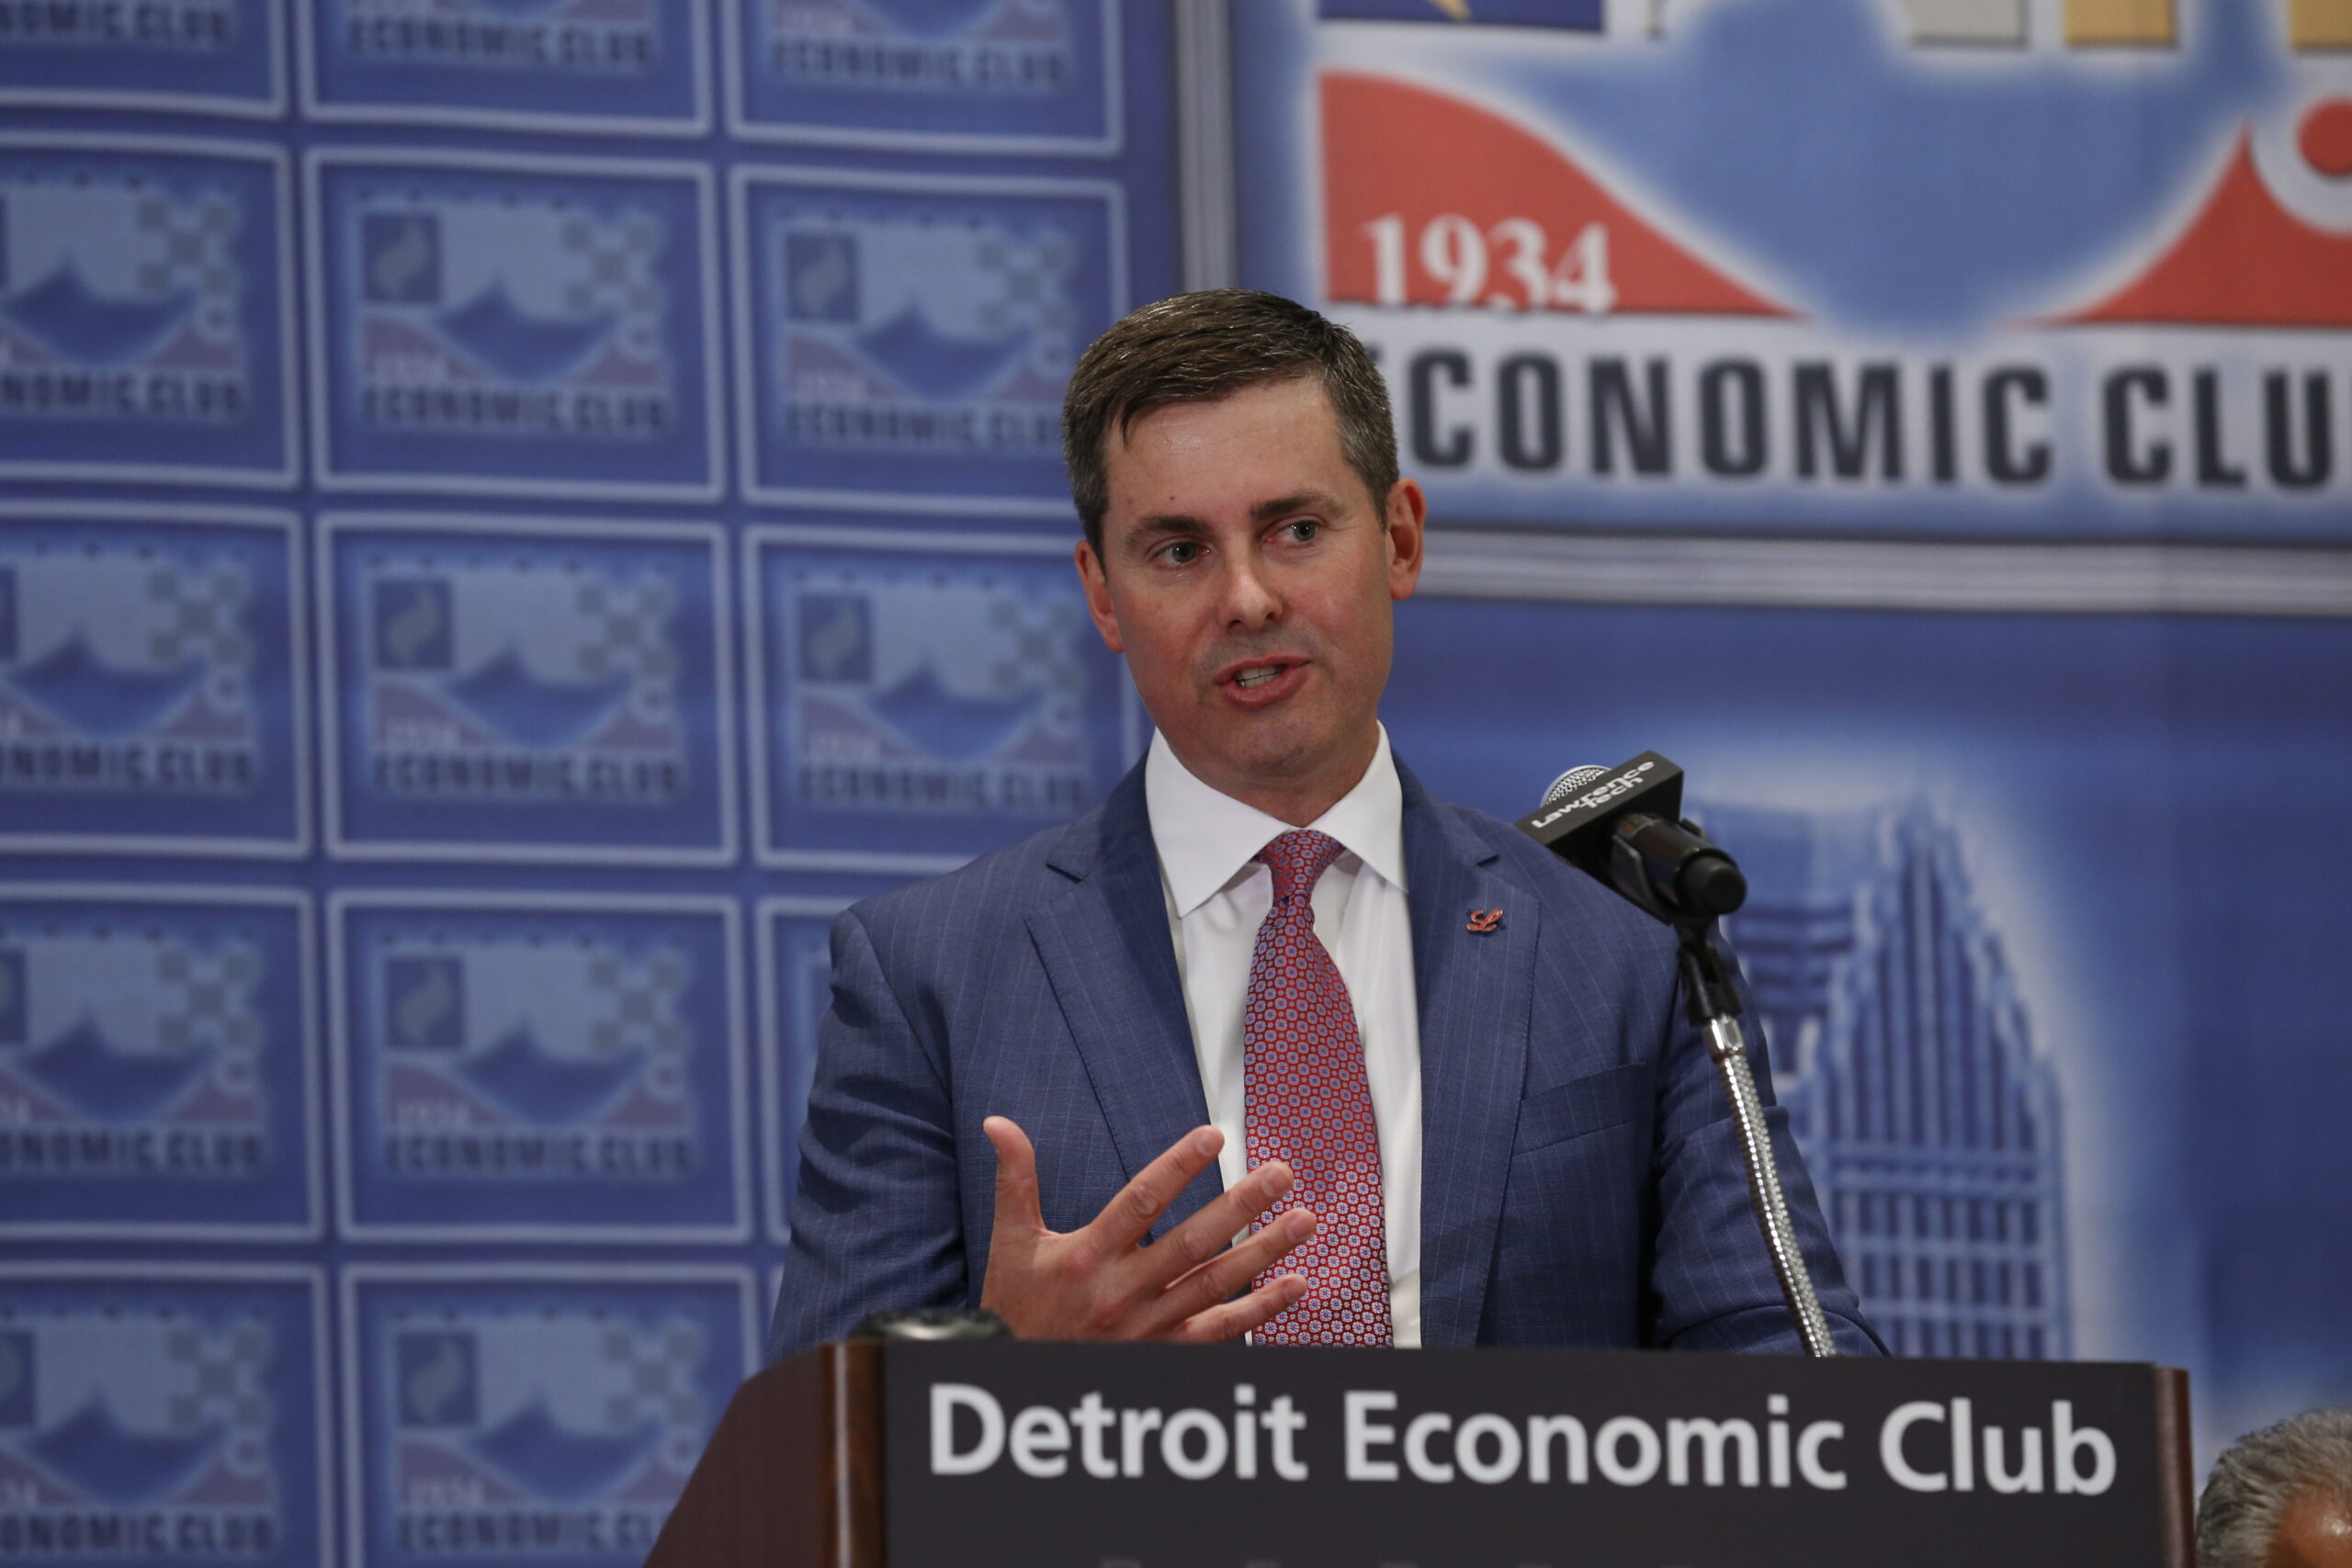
(1932, 1128)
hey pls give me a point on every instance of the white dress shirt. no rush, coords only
(1217, 897)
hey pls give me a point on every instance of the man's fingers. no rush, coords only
(1205, 1235)
(1234, 1209)
(1222, 1276)
(1232, 1320)
(1016, 1177)
(1127, 1218)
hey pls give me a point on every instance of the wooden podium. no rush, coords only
(792, 1474)
(1082, 1456)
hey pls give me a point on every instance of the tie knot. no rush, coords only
(1298, 860)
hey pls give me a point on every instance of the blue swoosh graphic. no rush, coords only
(73, 682)
(955, 728)
(85, 1068)
(506, 695)
(553, 1091)
(94, 1451)
(918, 357)
(569, 1467)
(62, 312)
(518, 345)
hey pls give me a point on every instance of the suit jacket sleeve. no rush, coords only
(875, 1220)
(1711, 1277)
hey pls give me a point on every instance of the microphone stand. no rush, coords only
(1714, 1003)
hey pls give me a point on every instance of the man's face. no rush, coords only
(1248, 579)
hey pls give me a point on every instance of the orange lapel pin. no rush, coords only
(1485, 920)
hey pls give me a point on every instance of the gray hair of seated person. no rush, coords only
(2261, 1477)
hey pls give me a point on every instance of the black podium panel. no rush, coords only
(1067, 1456)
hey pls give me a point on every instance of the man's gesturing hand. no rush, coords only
(1102, 1283)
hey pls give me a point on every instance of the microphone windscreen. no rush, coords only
(1567, 784)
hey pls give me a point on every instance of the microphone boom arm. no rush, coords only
(1715, 1006)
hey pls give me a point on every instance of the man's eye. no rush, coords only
(1301, 530)
(1182, 552)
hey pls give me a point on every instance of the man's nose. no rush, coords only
(1250, 599)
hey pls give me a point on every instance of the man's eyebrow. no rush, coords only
(1168, 524)
(1300, 500)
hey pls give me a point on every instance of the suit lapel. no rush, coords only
(1474, 990)
(1111, 960)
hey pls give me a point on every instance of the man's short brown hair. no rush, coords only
(1197, 349)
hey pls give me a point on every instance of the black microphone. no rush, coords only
(1623, 827)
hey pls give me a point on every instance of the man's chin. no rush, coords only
(1285, 757)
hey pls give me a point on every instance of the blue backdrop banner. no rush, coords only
(1929, 422)
(514, 512)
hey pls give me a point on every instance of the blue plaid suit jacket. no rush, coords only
(1581, 1180)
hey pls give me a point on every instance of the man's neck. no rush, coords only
(1295, 801)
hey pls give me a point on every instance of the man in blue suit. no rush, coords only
(1272, 1041)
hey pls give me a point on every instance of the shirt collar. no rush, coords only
(1206, 838)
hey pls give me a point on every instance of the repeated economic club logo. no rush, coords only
(191, 56)
(142, 312)
(913, 341)
(156, 1075)
(630, 66)
(148, 692)
(513, 325)
(170, 1418)
(540, 1415)
(930, 706)
(991, 75)
(524, 1070)
(550, 694)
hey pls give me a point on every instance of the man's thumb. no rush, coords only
(1016, 1174)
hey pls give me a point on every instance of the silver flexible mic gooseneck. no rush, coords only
(1623, 826)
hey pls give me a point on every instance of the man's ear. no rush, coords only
(1098, 595)
(1406, 518)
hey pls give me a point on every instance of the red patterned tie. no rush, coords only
(1309, 1104)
